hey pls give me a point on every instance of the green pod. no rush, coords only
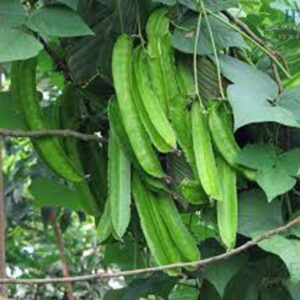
(117, 126)
(204, 154)
(105, 228)
(224, 139)
(158, 120)
(184, 241)
(157, 28)
(227, 210)
(23, 88)
(180, 119)
(158, 246)
(169, 68)
(122, 77)
(185, 79)
(119, 187)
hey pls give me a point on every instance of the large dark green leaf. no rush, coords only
(252, 95)
(220, 274)
(213, 5)
(10, 116)
(12, 13)
(58, 21)
(184, 292)
(253, 206)
(184, 37)
(48, 193)
(17, 45)
(159, 285)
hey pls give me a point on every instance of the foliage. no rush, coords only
(176, 198)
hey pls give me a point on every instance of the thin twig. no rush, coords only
(195, 264)
(277, 77)
(195, 54)
(59, 133)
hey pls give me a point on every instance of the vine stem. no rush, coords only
(195, 56)
(251, 39)
(213, 44)
(196, 264)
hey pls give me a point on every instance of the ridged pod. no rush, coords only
(224, 139)
(23, 89)
(185, 79)
(122, 77)
(159, 122)
(119, 187)
(227, 210)
(204, 154)
(157, 28)
(105, 228)
(181, 237)
(159, 247)
(180, 119)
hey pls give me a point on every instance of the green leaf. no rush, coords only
(275, 181)
(159, 285)
(251, 93)
(200, 228)
(253, 206)
(48, 193)
(184, 292)
(71, 3)
(58, 21)
(10, 116)
(288, 250)
(166, 2)
(294, 289)
(224, 36)
(290, 161)
(257, 156)
(220, 273)
(213, 5)
(17, 45)
(127, 255)
(290, 100)
(12, 13)
(242, 286)
(267, 216)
